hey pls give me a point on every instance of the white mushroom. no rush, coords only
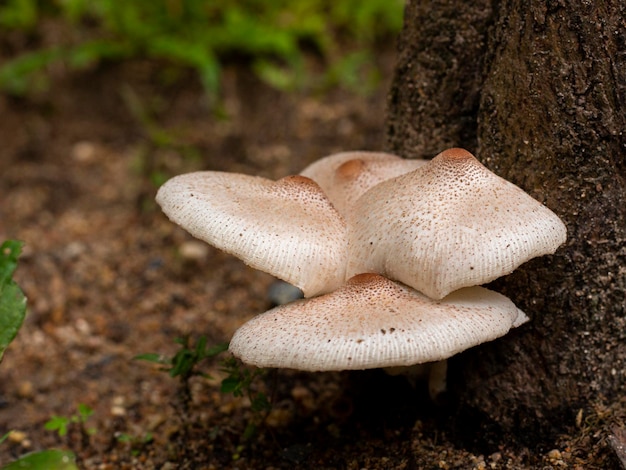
(372, 322)
(345, 176)
(287, 228)
(449, 224)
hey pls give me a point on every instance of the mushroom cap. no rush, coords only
(373, 322)
(449, 224)
(345, 176)
(287, 228)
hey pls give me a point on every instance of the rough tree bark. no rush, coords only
(537, 91)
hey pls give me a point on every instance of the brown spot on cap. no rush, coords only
(455, 155)
(350, 169)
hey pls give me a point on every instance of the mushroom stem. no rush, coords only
(437, 380)
(435, 372)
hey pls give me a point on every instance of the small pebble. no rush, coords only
(82, 326)
(17, 437)
(25, 389)
(194, 251)
(281, 293)
(118, 407)
(83, 152)
(278, 417)
(554, 454)
(303, 397)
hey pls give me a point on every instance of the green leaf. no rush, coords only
(57, 423)
(215, 350)
(74, 9)
(249, 431)
(44, 460)
(158, 178)
(231, 385)
(20, 75)
(280, 77)
(12, 299)
(200, 346)
(183, 363)
(123, 437)
(9, 252)
(89, 53)
(84, 411)
(153, 357)
(261, 403)
(19, 14)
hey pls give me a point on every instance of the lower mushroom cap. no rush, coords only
(373, 322)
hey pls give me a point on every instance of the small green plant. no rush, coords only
(184, 364)
(136, 443)
(75, 423)
(239, 381)
(12, 299)
(61, 424)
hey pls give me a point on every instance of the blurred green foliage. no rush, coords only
(271, 34)
(44, 460)
(12, 299)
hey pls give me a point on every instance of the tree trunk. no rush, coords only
(537, 90)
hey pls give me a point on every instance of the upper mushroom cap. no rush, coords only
(345, 176)
(373, 322)
(287, 228)
(449, 224)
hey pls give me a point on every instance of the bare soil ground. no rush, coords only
(109, 277)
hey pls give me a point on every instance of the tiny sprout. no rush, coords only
(184, 362)
(60, 424)
(135, 442)
(239, 382)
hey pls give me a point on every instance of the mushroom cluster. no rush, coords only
(389, 254)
